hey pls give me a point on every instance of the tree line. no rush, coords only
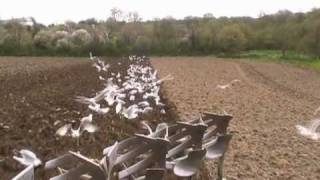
(122, 34)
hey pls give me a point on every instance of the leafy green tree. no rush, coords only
(42, 40)
(231, 39)
(127, 33)
(312, 40)
(164, 36)
(17, 38)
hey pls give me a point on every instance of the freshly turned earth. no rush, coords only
(266, 104)
(37, 98)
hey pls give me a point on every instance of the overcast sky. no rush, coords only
(57, 11)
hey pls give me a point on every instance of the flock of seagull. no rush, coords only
(129, 95)
(85, 125)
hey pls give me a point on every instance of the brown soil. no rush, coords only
(267, 104)
(37, 92)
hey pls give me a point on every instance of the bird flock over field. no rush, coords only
(133, 93)
(86, 125)
(128, 93)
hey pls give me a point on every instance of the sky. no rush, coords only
(58, 11)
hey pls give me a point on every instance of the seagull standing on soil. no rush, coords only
(85, 125)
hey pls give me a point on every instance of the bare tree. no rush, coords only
(116, 14)
(133, 17)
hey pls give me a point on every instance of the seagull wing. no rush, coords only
(27, 158)
(90, 128)
(235, 80)
(103, 110)
(30, 157)
(84, 100)
(87, 118)
(146, 126)
(118, 107)
(64, 130)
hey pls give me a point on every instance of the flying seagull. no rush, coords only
(225, 86)
(311, 130)
(27, 158)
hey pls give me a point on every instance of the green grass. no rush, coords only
(291, 57)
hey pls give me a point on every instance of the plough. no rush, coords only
(179, 148)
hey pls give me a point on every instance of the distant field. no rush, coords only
(291, 57)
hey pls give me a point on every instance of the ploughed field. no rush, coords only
(266, 104)
(266, 100)
(38, 97)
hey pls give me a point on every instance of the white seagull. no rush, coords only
(312, 130)
(227, 85)
(96, 108)
(85, 125)
(131, 112)
(27, 158)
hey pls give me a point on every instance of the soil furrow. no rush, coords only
(266, 104)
